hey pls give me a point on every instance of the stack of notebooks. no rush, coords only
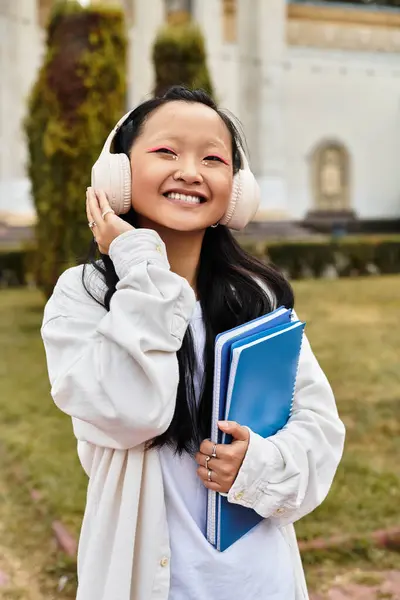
(254, 381)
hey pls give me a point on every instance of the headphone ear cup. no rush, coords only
(112, 174)
(244, 202)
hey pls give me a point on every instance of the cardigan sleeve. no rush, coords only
(116, 373)
(289, 474)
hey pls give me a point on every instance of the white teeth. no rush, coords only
(184, 198)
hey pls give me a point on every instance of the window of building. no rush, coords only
(229, 20)
(44, 8)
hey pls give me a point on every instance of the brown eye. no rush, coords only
(164, 150)
(215, 158)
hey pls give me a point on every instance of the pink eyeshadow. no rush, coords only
(161, 147)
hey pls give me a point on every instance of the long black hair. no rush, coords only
(230, 284)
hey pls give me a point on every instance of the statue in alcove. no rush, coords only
(331, 173)
(178, 11)
(178, 6)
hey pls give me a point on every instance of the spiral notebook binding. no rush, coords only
(297, 372)
(212, 496)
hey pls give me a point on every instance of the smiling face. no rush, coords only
(181, 167)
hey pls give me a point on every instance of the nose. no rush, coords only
(189, 173)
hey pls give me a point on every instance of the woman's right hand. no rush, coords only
(107, 229)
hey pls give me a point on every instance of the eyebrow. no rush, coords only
(211, 143)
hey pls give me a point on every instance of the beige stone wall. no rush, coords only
(343, 28)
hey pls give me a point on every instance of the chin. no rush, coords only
(183, 223)
(181, 226)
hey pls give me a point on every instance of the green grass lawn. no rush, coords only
(354, 328)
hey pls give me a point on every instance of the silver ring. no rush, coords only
(109, 210)
(207, 459)
(214, 451)
(209, 473)
(92, 224)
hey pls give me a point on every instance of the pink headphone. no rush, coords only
(112, 173)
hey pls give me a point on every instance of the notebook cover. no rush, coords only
(260, 395)
(223, 345)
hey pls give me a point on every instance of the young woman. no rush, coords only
(129, 340)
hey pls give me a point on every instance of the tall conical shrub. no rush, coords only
(179, 58)
(78, 96)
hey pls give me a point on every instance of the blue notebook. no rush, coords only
(259, 391)
(223, 344)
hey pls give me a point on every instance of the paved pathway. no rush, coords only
(371, 586)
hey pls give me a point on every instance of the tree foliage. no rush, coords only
(77, 98)
(179, 58)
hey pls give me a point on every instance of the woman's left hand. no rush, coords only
(218, 474)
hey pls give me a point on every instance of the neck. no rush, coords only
(183, 250)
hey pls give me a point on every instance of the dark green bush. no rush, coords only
(387, 256)
(179, 58)
(361, 255)
(349, 256)
(77, 98)
(298, 258)
(17, 267)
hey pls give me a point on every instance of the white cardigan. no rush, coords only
(116, 374)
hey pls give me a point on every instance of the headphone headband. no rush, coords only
(113, 133)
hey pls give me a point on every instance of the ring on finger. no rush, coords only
(207, 458)
(214, 451)
(109, 210)
(92, 224)
(209, 475)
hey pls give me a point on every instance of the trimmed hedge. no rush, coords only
(333, 257)
(345, 257)
(17, 267)
(179, 58)
(78, 96)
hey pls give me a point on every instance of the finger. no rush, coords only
(221, 450)
(235, 430)
(215, 487)
(202, 459)
(205, 460)
(94, 206)
(90, 216)
(203, 474)
(206, 447)
(214, 464)
(88, 213)
(102, 200)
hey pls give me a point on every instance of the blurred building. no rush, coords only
(316, 86)
(21, 42)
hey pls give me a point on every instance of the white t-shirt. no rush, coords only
(256, 567)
